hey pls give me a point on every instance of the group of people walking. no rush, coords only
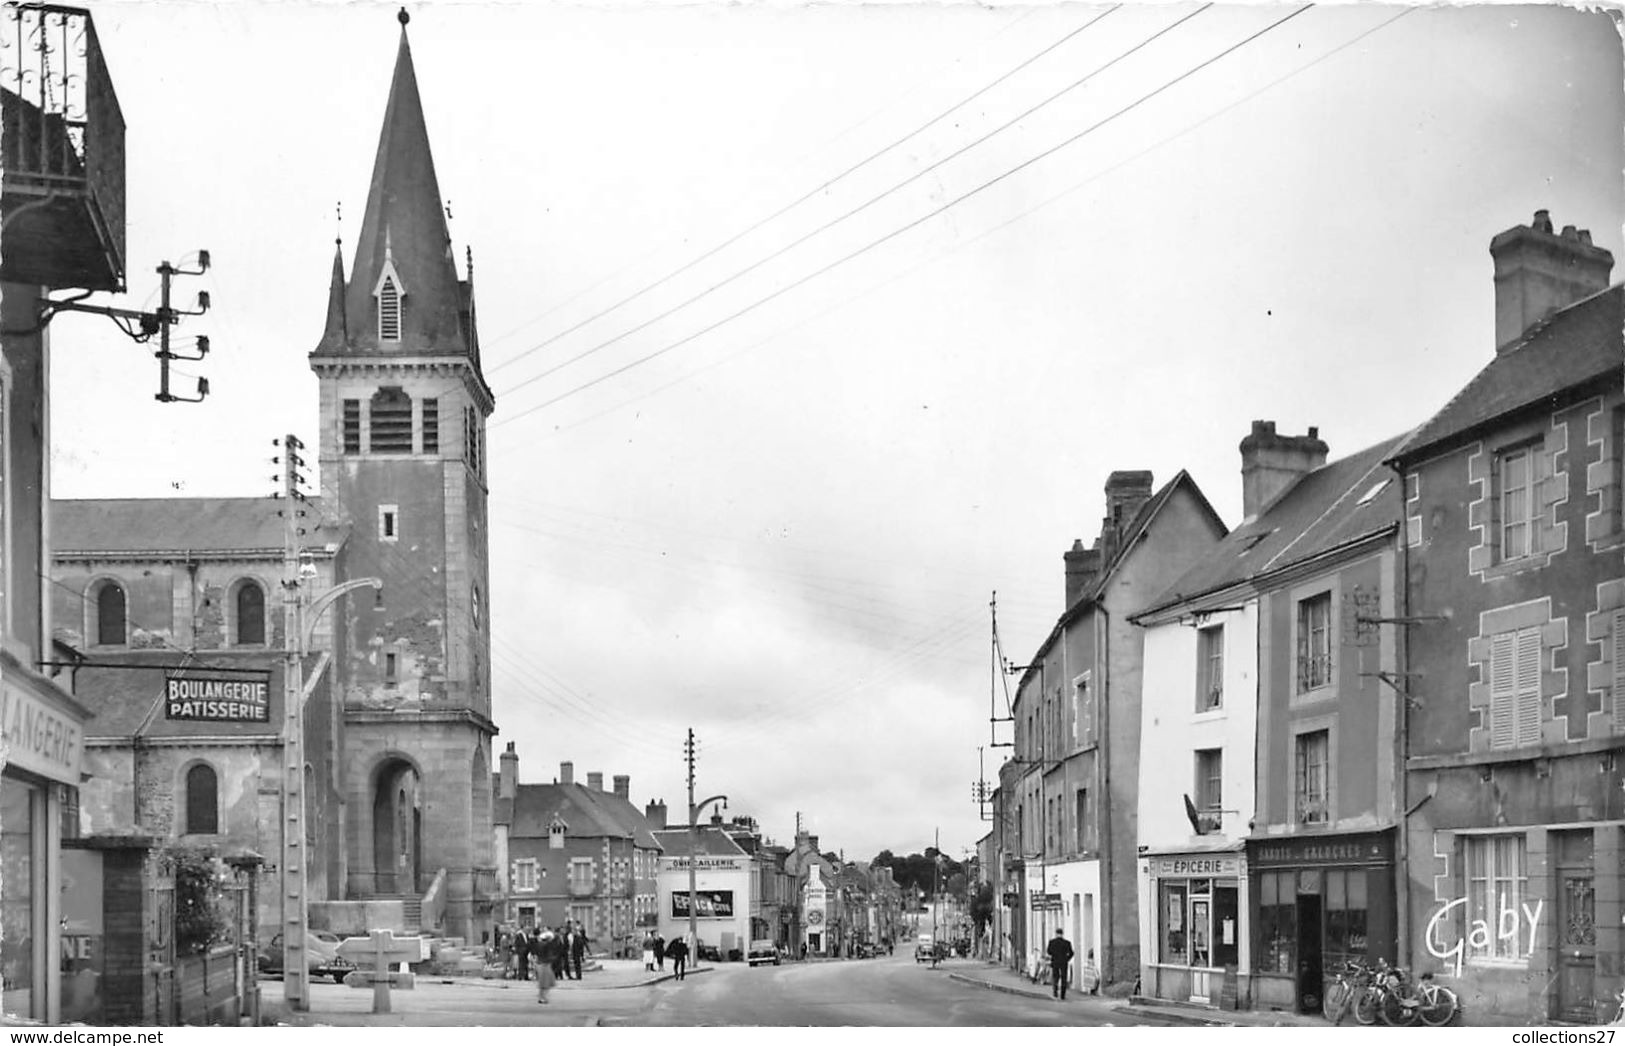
(553, 955)
(656, 950)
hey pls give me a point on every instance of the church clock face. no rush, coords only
(814, 917)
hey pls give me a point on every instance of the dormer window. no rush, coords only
(389, 311)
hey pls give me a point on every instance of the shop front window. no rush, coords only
(1277, 922)
(17, 896)
(1345, 915)
(1173, 924)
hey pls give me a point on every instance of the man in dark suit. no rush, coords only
(576, 947)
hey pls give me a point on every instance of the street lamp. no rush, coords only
(300, 624)
(693, 859)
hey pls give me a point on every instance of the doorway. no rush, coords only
(1576, 930)
(1309, 980)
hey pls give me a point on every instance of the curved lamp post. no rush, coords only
(693, 859)
(300, 624)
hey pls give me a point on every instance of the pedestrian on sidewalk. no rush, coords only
(660, 952)
(545, 979)
(521, 950)
(551, 954)
(677, 952)
(649, 951)
(1060, 962)
(576, 944)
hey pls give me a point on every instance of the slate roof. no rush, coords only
(1571, 348)
(588, 813)
(121, 699)
(163, 525)
(1324, 510)
(714, 842)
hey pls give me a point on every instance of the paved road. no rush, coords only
(885, 992)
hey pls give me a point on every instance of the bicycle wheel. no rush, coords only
(1393, 1010)
(1366, 1005)
(1336, 1003)
(1438, 1006)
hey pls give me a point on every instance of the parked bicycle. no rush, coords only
(1353, 989)
(1405, 1002)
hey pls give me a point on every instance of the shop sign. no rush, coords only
(704, 864)
(708, 904)
(1214, 865)
(1368, 849)
(205, 697)
(41, 738)
(1046, 902)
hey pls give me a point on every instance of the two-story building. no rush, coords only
(1069, 792)
(1514, 568)
(723, 877)
(575, 853)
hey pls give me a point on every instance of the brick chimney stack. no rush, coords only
(595, 780)
(1271, 463)
(1538, 272)
(655, 814)
(1125, 493)
(508, 775)
(1082, 567)
(567, 773)
(623, 786)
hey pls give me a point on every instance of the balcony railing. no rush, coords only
(61, 152)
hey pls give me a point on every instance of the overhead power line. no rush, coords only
(1022, 216)
(798, 201)
(860, 208)
(983, 187)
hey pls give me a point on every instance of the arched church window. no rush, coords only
(202, 800)
(250, 609)
(111, 623)
(391, 428)
(389, 311)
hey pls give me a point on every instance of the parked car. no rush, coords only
(924, 948)
(763, 951)
(321, 956)
(708, 952)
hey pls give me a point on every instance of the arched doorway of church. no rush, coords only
(397, 828)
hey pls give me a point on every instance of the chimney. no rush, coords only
(508, 775)
(595, 780)
(623, 786)
(1538, 272)
(567, 773)
(1082, 567)
(1271, 463)
(655, 814)
(716, 820)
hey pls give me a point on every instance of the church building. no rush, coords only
(398, 730)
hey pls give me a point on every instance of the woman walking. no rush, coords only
(546, 943)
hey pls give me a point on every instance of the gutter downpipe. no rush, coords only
(1108, 899)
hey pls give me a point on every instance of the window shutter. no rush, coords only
(1619, 671)
(1501, 690)
(1528, 684)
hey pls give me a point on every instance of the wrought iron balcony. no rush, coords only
(61, 152)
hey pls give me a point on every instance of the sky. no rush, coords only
(813, 327)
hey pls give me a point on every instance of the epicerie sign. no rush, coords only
(199, 696)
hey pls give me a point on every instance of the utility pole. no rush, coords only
(295, 913)
(694, 843)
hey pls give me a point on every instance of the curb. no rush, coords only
(1171, 1015)
(1008, 989)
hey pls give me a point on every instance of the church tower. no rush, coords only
(402, 450)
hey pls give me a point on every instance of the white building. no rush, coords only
(724, 881)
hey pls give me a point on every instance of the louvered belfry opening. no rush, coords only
(391, 422)
(389, 311)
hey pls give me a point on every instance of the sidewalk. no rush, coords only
(612, 973)
(996, 976)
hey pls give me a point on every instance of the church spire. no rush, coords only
(404, 235)
(335, 334)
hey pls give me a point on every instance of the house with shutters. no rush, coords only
(1514, 611)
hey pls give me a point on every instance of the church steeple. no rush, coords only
(334, 333)
(404, 277)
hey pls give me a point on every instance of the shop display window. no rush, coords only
(1173, 924)
(1277, 922)
(17, 896)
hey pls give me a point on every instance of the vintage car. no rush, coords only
(321, 956)
(925, 949)
(763, 951)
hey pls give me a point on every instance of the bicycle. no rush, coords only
(1405, 1003)
(1353, 988)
